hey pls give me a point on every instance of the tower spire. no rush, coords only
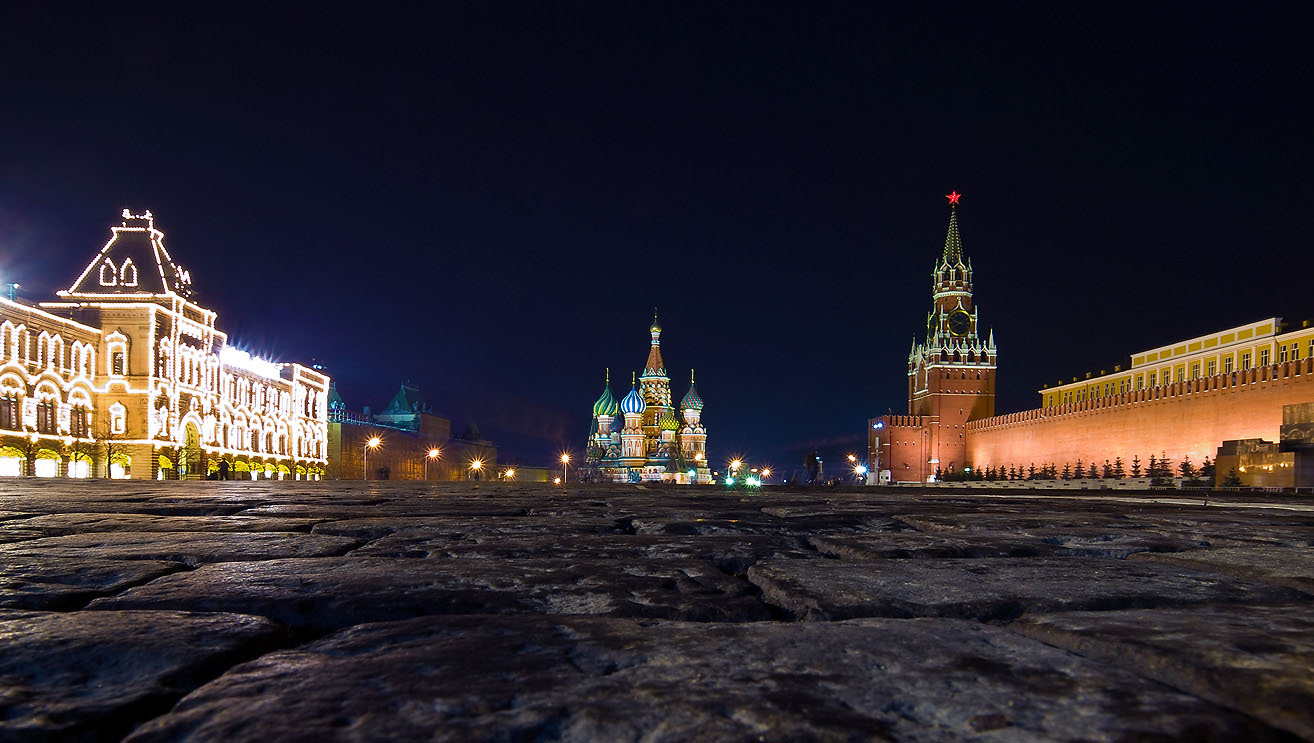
(953, 244)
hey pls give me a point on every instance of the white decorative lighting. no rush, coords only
(242, 360)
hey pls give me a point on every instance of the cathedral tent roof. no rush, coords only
(655, 367)
(135, 262)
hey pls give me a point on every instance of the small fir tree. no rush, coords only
(1094, 470)
(1152, 469)
(1012, 472)
(1118, 470)
(1108, 470)
(1079, 473)
(1031, 472)
(1207, 470)
(1067, 471)
(1136, 465)
(1233, 480)
(1186, 469)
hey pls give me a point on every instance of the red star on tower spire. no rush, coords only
(953, 197)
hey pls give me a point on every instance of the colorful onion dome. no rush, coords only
(606, 404)
(668, 422)
(691, 399)
(633, 403)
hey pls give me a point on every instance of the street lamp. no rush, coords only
(565, 462)
(510, 474)
(475, 466)
(766, 472)
(433, 454)
(365, 465)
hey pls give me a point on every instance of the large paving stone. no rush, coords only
(711, 523)
(731, 554)
(1287, 566)
(614, 681)
(333, 592)
(991, 589)
(912, 544)
(190, 548)
(91, 676)
(55, 525)
(1256, 659)
(466, 527)
(40, 582)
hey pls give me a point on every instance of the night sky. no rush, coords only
(489, 201)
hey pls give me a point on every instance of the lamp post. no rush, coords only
(433, 454)
(565, 463)
(365, 464)
(510, 474)
(475, 466)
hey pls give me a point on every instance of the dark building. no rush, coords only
(408, 433)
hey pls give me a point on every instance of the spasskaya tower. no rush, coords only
(951, 377)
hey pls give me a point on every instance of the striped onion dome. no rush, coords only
(633, 403)
(691, 399)
(668, 422)
(606, 404)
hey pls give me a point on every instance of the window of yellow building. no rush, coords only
(1295, 351)
(1282, 354)
(1152, 377)
(1195, 371)
(1245, 360)
(1140, 382)
(1211, 367)
(1181, 374)
(1263, 357)
(1227, 364)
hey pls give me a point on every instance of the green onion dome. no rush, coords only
(606, 404)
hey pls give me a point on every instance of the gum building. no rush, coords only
(1179, 400)
(125, 375)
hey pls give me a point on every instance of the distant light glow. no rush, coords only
(879, 425)
(860, 469)
(729, 481)
(374, 442)
(435, 453)
(752, 482)
(242, 360)
(556, 481)
(477, 464)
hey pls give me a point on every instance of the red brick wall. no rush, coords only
(1183, 419)
(901, 442)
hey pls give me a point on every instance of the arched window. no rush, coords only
(118, 418)
(109, 275)
(128, 273)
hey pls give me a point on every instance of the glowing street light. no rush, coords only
(433, 454)
(565, 462)
(766, 472)
(476, 465)
(853, 459)
(735, 465)
(556, 481)
(510, 474)
(365, 465)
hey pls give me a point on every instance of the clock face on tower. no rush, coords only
(959, 323)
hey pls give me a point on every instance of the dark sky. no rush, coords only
(490, 200)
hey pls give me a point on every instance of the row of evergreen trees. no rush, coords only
(1160, 470)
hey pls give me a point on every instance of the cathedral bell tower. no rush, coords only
(951, 375)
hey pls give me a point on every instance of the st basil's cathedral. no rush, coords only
(651, 444)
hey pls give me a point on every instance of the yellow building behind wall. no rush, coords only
(1257, 344)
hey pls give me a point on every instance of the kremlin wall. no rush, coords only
(1176, 401)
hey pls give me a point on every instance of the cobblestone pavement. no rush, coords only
(212, 611)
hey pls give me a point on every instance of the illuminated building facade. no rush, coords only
(951, 378)
(651, 443)
(1178, 401)
(409, 434)
(126, 376)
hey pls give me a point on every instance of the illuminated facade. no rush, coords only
(1176, 402)
(651, 444)
(126, 376)
(951, 378)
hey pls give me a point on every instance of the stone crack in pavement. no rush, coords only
(289, 611)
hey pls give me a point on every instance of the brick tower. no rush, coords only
(951, 377)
